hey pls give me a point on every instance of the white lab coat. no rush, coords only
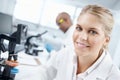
(61, 67)
(67, 39)
(59, 42)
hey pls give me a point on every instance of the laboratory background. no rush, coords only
(29, 34)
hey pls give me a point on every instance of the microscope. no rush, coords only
(8, 72)
(29, 46)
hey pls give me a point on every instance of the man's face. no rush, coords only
(62, 23)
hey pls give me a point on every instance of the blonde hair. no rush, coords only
(105, 16)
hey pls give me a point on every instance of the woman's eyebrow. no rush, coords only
(94, 28)
(78, 25)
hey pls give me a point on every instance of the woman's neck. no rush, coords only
(83, 63)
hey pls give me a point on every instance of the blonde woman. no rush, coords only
(89, 60)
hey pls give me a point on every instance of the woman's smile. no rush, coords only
(82, 45)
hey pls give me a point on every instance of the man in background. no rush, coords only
(65, 23)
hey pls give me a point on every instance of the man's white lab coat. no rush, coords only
(61, 41)
(67, 39)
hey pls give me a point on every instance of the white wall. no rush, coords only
(114, 46)
(7, 6)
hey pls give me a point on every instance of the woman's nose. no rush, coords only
(83, 36)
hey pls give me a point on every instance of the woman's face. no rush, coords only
(89, 37)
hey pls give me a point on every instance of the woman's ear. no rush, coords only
(107, 41)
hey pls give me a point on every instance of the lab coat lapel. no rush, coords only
(103, 69)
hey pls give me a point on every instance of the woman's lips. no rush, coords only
(82, 45)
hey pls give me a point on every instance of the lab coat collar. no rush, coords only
(96, 63)
(104, 69)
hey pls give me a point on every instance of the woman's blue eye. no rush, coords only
(92, 32)
(78, 28)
